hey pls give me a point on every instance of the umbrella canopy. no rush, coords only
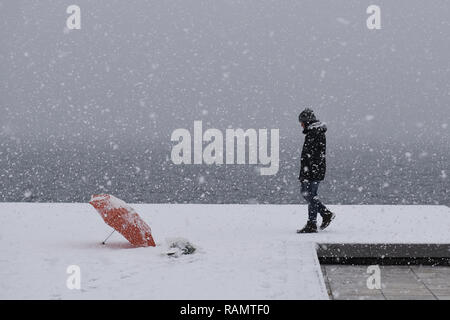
(124, 219)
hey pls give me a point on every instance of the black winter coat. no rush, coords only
(313, 161)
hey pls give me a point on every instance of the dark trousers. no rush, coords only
(309, 192)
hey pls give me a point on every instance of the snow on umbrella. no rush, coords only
(124, 219)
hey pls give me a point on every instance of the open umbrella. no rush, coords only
(124, 219)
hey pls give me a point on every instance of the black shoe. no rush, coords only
(326, 219)
(311, 227)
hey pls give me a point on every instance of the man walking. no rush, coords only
(312, 170)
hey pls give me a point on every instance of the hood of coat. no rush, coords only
(316, 126)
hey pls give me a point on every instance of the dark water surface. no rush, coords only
(374, 174)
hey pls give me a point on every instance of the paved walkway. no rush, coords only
(345, 282)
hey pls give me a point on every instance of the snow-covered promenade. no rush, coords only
(244, 251)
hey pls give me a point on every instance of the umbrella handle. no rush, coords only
(104, 241)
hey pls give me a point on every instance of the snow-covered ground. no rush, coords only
(244, 251)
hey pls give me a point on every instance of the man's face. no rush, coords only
(303, 125)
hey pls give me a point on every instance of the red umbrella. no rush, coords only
(124, 219)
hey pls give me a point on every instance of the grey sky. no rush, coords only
(144, 68)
